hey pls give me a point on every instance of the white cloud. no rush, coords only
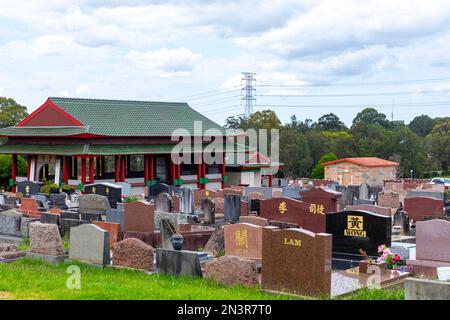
(165, 62)
(83, 90)
(2, 89)
(63, 93)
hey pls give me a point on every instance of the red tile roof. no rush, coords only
(364, 162)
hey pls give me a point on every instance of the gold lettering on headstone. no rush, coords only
(293, 242)
(107, 190)
(27, 190)
(242, 242)
(94, 189)
(282, 207)
(317, 209)
(355, 227)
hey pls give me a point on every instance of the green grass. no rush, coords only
(32, 279)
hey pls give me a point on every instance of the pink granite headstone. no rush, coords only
(433, 240)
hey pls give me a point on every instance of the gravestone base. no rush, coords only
(178, 263)
(46, 257)
(426, 268)
(11, 239)
(424, 289)
(101, 266)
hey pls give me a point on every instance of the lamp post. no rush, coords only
(411, 171)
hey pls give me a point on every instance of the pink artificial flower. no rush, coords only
(381, 248)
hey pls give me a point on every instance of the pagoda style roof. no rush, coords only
(113, 118)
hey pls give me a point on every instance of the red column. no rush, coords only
(152, 168)
(91, 170)
(66, 170)
(270, 180)
(122, 169)
(83, 171)
(14, 171)
(199, 174)
(28, 166)
(223, 171)
(116, 169)
(145, 168)
(179, 171)
(204, 173)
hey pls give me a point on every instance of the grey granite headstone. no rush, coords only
(363, 201)
(209, 211)
(187, 203)
(174, 217)
(266, 191)
(68, 224)
(178, 262)
(10, 221)
(292, 192)
(93, 203)
(42, 201)
(232, 207)
(89, 243)
(110, 190)
(25, 226)
(58, 200)
(167, 230)
(163, 202)
(51, 218)
(117, 216)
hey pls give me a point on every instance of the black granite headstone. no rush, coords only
(66, 224)
(209, 210)
(179, 262)
(91, 217)
(52, 218)
(232, 207)
(111, 191)
(255, 206)
(28, 188)
(355, 230)
(155, 189)
(70, 215)
(58, 200)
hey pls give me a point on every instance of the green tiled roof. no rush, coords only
(56, 149)
(133, 118)
(43, 131)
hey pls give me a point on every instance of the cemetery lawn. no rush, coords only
(30, 279)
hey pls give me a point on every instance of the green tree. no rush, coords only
(439, 144)
(237, 122)
(294, 153)
(409, 149)
(318, 171)
(11, 113)
(6, 166)
(421, 125)
(371, 116)
(330, 122)
(266, 119)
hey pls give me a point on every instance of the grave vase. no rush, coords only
(177, 241)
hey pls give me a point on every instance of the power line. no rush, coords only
(367, 94)
(249, 78)
(232, 108)
(374, 105)
(207, 92)
(356, 83)
(219, 101)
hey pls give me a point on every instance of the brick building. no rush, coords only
(350, 171)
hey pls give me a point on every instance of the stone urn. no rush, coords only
(177, 241)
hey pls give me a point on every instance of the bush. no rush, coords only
(318, 171)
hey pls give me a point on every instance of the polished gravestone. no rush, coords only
(179, 262)
(209, 210)
(354, 231)
(155, 189)
(112, 191)
(28, 188)
(163, 202)
(232, 208)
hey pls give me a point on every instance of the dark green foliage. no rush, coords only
(318, 170)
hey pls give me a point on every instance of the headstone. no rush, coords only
(167, 230)
(433, 240)
(389, 199)
(89, 243)
(163, 202)
(29, 207)
(322, 197)
(255, 206)
(155, 189)
(283, 225)
(347, 195)
(25, 226)
(296, 261)
(363, 201)
(292, 192)
(111, 191)
(10, 221)
(58, 200)
(370, 207)
(93, 204)
(50, 218)
(266, 191)
(355, 230)
(230, 271)
(424, 193)
(364, 187)
(112, 228)
(139, 216)
(175, 218)
(133, 253)
(219, 203)
(232, 207)
(45, 239)
(68, 224)
(309, 216)
(243, 240)
(42, 200)
(178, 262)
(216, 243)
(187, 204)
(116, 216)
(420, 207)
(258, 221)
(28, 188)
(69, 215)
(402, 221)
(209, 211)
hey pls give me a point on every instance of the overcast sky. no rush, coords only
(167, 50)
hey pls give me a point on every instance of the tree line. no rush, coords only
(423, 145)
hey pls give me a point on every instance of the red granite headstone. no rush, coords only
(113, 229)
(283, 209)
(371, 208)
(321, 199)
(258, 221)
(139, 216)
(433, 240)
(296, 261)
(243, 240)
(420, 207)
(29, 207)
